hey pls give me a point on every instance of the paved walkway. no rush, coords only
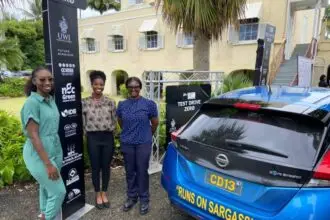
(22, 202)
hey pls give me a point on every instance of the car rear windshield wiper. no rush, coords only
(252, 147)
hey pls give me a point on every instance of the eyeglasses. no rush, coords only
(50, 79)
(133, 87)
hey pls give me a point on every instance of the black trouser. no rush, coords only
(100, 150)
(136, 159)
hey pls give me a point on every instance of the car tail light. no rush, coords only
(248, 106)
(175, 134)
(321, 175)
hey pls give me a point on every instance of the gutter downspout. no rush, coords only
(288, 30)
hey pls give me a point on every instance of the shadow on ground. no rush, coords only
(22, 202)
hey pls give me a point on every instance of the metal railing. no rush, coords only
(154, 85)
(277, 61)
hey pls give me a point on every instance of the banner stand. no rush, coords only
(60, 23)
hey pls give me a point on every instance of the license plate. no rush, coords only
(225, 183)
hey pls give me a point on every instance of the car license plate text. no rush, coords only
(225, 183)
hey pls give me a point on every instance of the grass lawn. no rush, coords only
(14, 105)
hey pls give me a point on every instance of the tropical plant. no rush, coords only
(224, 131)
(6, 15)
(4, 2)
(123, 91)
(10, 53)
(205, 20)
(103, 5)
(34, 10)
(12, 87)
(31, 42)
(12, 167)
(233, 82)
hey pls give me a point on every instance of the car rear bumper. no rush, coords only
(308, 203)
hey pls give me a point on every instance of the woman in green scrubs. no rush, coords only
(42, 150)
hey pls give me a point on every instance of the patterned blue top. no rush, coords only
(135, 115)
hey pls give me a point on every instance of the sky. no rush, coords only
(19, 4)
(23, 4)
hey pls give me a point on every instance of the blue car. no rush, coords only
(255, 153)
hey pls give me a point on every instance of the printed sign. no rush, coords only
(71, 155)
(68, 93)
(62, 57)
(304, 71)
(182, 102)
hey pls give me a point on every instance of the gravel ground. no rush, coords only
(21, 202)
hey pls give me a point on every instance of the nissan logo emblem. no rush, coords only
(222, 160)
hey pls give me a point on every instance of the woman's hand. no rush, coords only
(52, 172)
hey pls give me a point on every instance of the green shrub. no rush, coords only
(12, 166)
(233, 82)
(162, 126)
(12, 87)
(117, 155)
(123, 91)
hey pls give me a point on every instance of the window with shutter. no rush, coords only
(179, 39)
(248, 31)
(151, 39)
(142, 42)
(118, 42)
(160, 41)
(188, 40)
(110, 44)
(91, 44)
(233, 35)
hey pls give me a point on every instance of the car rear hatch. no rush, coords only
(249, 155)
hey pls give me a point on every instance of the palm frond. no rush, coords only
(34, 10)
(10, 53)
(6, 2)
(103, 5)
(233, 82)
(202, 17)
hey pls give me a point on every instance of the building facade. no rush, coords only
(136, 39)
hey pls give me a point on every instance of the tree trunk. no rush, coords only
(201, 53)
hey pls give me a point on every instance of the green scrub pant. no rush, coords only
(51, 193)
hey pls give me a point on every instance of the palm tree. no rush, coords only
(10, 53)
(3, 2)
(205, 20)
(225, 130)
(103, 5)
(5, 15)
(34, 10)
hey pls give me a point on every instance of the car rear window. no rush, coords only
(293, 136)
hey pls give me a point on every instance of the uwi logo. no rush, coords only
(63, 35)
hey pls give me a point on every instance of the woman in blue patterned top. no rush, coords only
(138, 118)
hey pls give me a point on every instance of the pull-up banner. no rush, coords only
(62, 58)
(263, 55)
(182, 102)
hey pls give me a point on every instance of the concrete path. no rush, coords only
(21, 202)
